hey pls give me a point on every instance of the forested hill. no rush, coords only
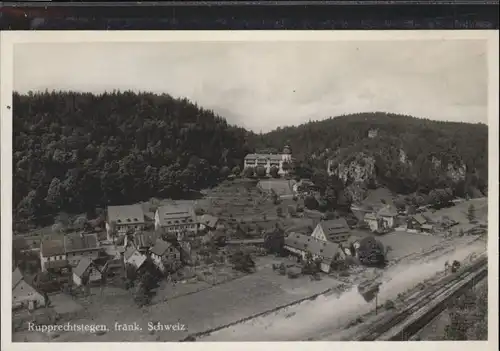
(74, 152)
(409, 153)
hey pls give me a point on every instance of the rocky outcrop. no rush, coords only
(456, 172)
(359, 168)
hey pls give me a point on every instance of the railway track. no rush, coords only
(403, 324)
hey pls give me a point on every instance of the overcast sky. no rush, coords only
(264, 85)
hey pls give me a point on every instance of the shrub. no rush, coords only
(389, 305)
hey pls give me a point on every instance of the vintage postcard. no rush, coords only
(243, 187)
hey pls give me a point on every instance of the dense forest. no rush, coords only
(422, 142)
(75, 152)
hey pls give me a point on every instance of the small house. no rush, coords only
(335, 230)
(133, 257)
(121, 219)
(164, 252)
(416, 222)
(387, 215)
(144, 241)
(86, 272)
(372, 221)
(79, 246)
(327, 252)
(52, 255)
(24, 294)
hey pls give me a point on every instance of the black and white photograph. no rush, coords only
(249, 187)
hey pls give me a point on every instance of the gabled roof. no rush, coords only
(334, 227)
(176, 214)
(370, 216)
(52, 247)
(17, 276)
(208, 220)
(80, 242)
(127, 214)
(145, 239)
(387, 211)
(420, 219)
(307, 243)
(160, 247)
(129, 252)
(82, 266)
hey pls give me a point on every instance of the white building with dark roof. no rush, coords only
(326, 251)
(86, 272)
(335, 231)
(269, 161)
(176, 218)
(123, 219)
(63, 252)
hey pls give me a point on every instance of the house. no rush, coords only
(78, 246)
(133, 257)
(207, 221)
(416, 222)
(52, 255)
(327, 252)
(112, 267)
(387, 215)
(121, 219)
(335, 230)
(305, 186)
(269, 161)
(86, 272)
(144, 241)
(24, 294)
(372, 221)
(164, 252)
(176, 218)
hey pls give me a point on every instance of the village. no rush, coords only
(247, 246)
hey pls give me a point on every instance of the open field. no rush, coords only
(327, 316)
(218, 305)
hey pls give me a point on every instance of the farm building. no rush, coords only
(327, 252)
(335, 231)
(24, 294)
(177, 219)
(121, 219)
(86, 273)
